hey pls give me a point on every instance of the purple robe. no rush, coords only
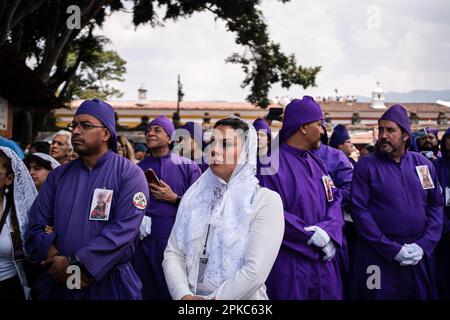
(339, 168)
(341, 171)
(105, 248)
(150, 251)
(390, 208)
(299, 271)
(442, 251)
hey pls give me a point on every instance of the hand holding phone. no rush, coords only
(152, 178)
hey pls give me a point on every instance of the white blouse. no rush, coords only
(7, 267)
(264, 242)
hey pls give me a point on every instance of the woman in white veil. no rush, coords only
(17, 193)
(228, 229)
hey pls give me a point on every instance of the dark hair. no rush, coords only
(41, 146)
(234, 123)
(38, 161)
(5, 161)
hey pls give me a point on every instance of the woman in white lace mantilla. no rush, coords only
(228, 229)
(17, 193)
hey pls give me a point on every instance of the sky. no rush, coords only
(403, 44)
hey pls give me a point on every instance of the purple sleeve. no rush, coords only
(194, 173)
(37, 242)
(434, 219)
(343, 179)
(363, 219)
(296, 238)
(105, 252)
(334, 221)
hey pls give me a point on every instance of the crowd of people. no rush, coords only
(245, 215)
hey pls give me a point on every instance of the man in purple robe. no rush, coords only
(340, 140)
(100, 246)
(442, 251)
(191, 145)
(176, 174)
(264, 143)
(397, 210)
(306, 267)
(341, 171)
(428, 143)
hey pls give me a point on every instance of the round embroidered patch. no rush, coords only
(139, 200)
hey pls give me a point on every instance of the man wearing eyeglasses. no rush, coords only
(176, 174)
(97, 248)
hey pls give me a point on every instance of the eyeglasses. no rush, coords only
(84, 126)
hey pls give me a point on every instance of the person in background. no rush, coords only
(38, 146)
(442, 251)
(191, 146)
(340, 139)
(175, 175)
(39, 165)
(140, 151)
(264, 143)
(125, 149)
(428, 143)
(61, 147)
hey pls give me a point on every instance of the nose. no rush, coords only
(383, 134)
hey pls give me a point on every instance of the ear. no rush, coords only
(303, 129)
(9, 179)
(405, 136)
(106, 135)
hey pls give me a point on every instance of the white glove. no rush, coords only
(320, 238)
(415, 252)
(409, 255)
(146, 227)
(329, 250)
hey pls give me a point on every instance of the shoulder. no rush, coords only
(266, 197)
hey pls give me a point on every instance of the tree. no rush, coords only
(67, 64)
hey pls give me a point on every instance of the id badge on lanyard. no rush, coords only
(202, 289)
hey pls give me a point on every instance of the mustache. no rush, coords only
(385, 142)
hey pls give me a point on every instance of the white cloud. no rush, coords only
(410, 51)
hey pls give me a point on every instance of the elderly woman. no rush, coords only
(17, 193)
(228, 229)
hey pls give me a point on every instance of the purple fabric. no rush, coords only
(261, 124)
(195, 131)
(442, 251)
(434, 131)
(390, 208)
(398, 114)
(339, 168)
(105, 248)
(104, 113)
(339, 136)
(297, 113)
(179, 173)
(299, 272)
(164, 123)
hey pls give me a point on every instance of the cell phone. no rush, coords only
(152, 178)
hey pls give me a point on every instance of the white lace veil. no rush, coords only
(24, 189)
(226, 206)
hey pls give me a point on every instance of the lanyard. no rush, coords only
(206, 240)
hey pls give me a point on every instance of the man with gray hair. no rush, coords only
(61, 147)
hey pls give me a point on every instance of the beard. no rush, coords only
(387, 148)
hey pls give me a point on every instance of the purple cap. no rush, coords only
(297, 113)
(164, 123)
(102, 111)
